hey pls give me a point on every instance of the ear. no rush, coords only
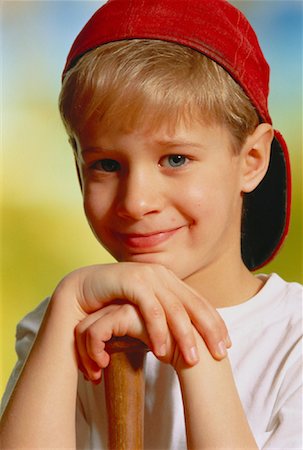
(255, 155)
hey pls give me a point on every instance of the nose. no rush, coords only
(139, 194)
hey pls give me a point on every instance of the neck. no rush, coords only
(233, 285)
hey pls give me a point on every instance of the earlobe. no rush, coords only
(255, 156)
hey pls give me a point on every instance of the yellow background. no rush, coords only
(43, 230)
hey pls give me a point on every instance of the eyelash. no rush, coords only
(181, 158)
(111, 165)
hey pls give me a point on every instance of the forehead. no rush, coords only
(135, 85)
(179, 135)
(132, 113)
(137, 113)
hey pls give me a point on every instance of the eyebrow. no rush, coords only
(178, 143)
(92, 150)
(168, 143)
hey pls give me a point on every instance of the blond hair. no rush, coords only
(142, 82)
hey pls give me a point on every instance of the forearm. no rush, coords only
(41, 411)
(213, 411)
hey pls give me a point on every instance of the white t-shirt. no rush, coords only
(266, 359)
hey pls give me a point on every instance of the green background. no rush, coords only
(43, 230)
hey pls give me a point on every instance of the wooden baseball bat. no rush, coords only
(124, 393)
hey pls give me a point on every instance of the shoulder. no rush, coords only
(278, 300)
(275, 285)
(286, 366)
(266, 331)
(286, 298)
(32, 321)
(277, 304)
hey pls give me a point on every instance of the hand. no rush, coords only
(92, 333)
(118, 320)
(165, 302)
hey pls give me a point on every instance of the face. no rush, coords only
(167, 197)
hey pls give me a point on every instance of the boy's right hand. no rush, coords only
(166, 304)
(114, 320)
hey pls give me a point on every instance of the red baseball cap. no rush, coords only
(220, 31)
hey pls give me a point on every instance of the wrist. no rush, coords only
(64, 301)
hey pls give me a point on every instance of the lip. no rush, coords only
(140, 241)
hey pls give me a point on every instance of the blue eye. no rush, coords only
(107, 165)
(174, 160)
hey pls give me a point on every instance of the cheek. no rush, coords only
(210, 199)
(96, 203)
(197, 195)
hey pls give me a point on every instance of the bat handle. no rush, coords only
(125, 392)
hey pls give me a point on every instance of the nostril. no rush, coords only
(135, 211)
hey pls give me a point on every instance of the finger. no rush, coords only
(99, 327)
(95, 347)
(132, 282)
(88, 367)
(213, 330)
(153, 315)
(202, 314)
(209, 324)
(123, 320)
(86, 364)
(180, 326)
(163, 311)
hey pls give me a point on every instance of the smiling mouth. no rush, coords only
(146, 241)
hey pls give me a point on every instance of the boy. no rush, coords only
(165, 104)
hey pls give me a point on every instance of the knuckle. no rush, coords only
(160, 269)
(158, 336)
(176, 308)
(186, 336)
(151, 271)
(213, 334)
(93, 353)
(78, 330)
(126, 310)
(120, 329)
(218, 326)
(211, 326)
(210, 321)
(156, 312)
(92, 336)
(136, 278)
(143, 272)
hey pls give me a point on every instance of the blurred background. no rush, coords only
(43, 230)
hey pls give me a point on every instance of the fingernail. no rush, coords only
(193, 355)
(162, 350)
(222, 349)
(228, 341)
